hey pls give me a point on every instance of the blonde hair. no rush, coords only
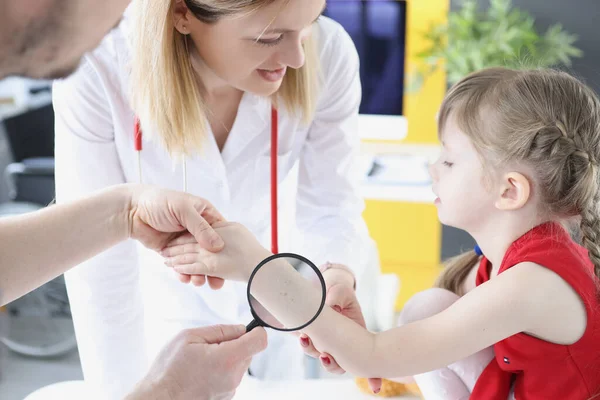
(545, 119)
(164, 88)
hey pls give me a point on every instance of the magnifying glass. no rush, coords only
(266, 276)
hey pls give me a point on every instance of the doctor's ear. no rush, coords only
(515, 190)
(182, 17)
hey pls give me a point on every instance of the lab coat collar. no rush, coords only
(251, 124)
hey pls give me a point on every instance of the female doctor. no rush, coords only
(202, 77)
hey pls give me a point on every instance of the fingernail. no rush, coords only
(217, 243)
(337, 309)
(325, 360)
(376, 391)
(168, 263)
(304, 341)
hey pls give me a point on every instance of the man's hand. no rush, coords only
(342, 298)
(202, 364)
(157, 217)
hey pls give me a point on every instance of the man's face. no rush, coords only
(47, 38)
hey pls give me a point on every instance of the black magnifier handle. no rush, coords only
(252, 325)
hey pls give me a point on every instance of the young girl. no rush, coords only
(519, 160)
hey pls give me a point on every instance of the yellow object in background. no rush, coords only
(408, 234)
(420, 108)
(408, 237)
(388, 388)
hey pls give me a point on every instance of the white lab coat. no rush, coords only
(126, 305)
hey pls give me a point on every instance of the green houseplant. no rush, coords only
(499, 36)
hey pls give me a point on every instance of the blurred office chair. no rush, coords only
(30, 136)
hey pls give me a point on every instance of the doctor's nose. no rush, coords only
(293, 54)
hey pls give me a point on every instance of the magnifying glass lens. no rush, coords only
(280, 282)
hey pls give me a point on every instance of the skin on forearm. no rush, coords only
(293, 301)
(37, 247)
(417, 347)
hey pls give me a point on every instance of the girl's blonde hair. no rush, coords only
(545, 119)
(164, 88)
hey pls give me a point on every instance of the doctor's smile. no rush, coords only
(272, 75)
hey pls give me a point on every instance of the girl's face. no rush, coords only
(252, 52)
(463, 198)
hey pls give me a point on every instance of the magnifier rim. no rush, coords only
(310, 264)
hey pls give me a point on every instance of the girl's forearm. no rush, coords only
(293, 300)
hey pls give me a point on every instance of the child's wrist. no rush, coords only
(260, 256)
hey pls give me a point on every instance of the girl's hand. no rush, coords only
(342, 298)
(236, 261)
(197, 280)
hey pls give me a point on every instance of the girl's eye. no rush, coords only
(448, 164)
(270, 42)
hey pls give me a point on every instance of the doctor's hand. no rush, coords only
(203, 363)
(157, 217)
(341, 296)
(236, 261)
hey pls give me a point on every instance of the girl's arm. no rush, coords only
(486, 315)
(515, 301)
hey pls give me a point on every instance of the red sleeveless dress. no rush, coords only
(542, 370)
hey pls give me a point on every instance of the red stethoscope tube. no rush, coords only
(274, 147)
(137, 144)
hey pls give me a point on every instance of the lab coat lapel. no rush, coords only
(251, 124)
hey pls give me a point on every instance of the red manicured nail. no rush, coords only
(325, 360)
(304, 342)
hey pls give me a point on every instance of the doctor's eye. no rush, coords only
(270, 42)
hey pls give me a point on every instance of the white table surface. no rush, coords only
(250, 389)
(329, 389)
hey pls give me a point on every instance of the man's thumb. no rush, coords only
(217, 333)
(248, 345)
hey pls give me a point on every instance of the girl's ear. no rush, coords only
(515, 190)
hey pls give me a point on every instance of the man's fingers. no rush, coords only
(192, 220)
(248, 345)
(209, 212)
(216, 334)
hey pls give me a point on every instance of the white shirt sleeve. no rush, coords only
(104, 292)
(329, 205)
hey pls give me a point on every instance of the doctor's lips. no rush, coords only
(272, 75)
